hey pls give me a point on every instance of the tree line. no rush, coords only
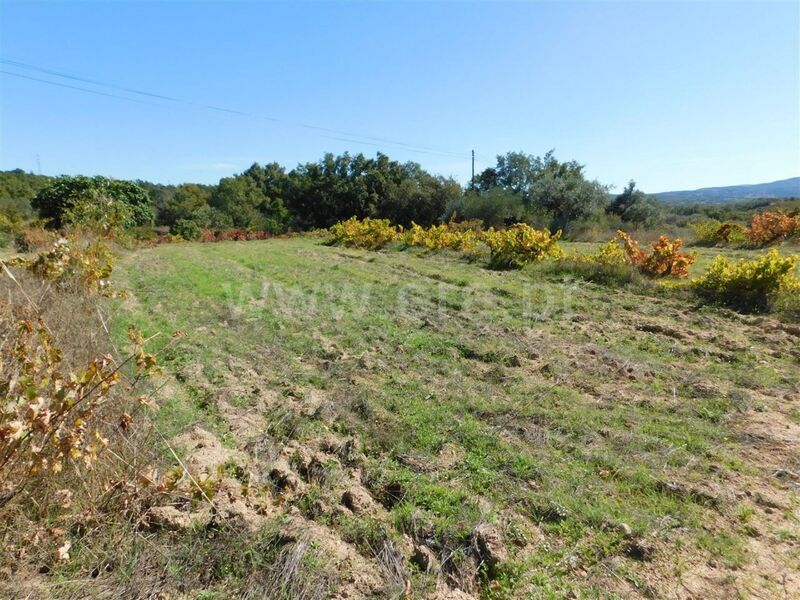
(540, 190)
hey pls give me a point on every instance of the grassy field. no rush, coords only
(431, 426)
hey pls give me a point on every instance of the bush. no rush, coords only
(610, 254)
(95, 202)
(769, 227)
(8, 229)
(370, 234)
(718, 233)
(439, 237)
(493, 208)
(520, 245)
(187, 229)
(102, 214)
(69, 265)
(666, 259)
(749, 285)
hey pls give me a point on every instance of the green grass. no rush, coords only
(564, 412)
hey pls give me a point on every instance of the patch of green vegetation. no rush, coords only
(473, 393)
(725, 546)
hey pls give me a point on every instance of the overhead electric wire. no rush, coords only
(75, 87)
(21, 65)
(350, 136)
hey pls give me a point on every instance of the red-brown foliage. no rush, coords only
(665, 260)
(769, 227)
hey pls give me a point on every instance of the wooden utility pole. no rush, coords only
(472, 181)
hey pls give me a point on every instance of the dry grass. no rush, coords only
(40, 525)
(87, 532)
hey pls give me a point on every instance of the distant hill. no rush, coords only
(785, 188)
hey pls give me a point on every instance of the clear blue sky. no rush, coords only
(675, 95)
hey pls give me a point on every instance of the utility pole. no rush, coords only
(472, 181)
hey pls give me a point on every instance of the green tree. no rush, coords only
(17, 189)
(562, 189)
(545, 184)
(272, 180)
(184, 203)
(93, 201)
(209, 217)
(240, 198)
(339, 187)
(634, 206)
(516, 172)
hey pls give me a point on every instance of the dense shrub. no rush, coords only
(718, 233)
(101, 213)
(95, 202)
(520, 245)
(439, 237)
(495, 207)
(9, 229)
(665, 260)
(187, 229)
(749, 285)
(368, 233)
(769, 227)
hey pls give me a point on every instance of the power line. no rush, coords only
(350, 136)
(75, 87)
(120, 97)
(21, 65)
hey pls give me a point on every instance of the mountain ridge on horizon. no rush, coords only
(782, 188)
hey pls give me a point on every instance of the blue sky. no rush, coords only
(675, 95)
